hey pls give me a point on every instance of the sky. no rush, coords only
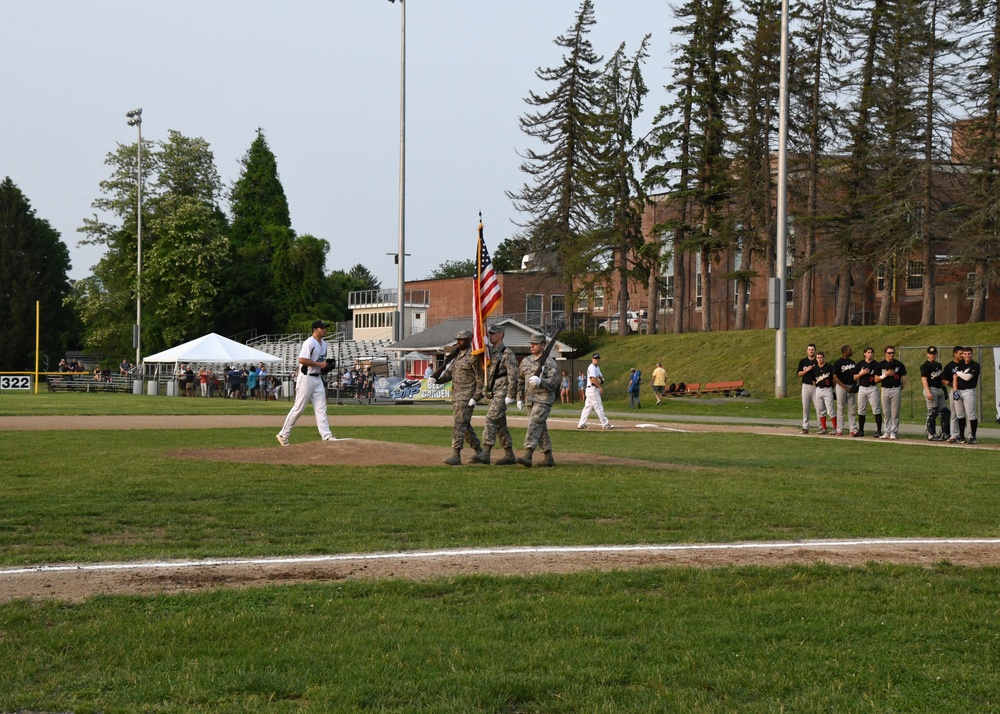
(322, 79)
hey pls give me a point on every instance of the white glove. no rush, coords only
(472, 402)
(535, 380)
(508, 401)
(431, 381)
(520, 404)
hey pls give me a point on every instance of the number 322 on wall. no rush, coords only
(15, 381)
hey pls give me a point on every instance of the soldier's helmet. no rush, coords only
(537, 339)
(494, 329)
(463, 335)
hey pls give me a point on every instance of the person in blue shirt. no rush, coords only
(634, 380)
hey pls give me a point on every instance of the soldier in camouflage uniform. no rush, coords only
(540, 394)
(501, 389)
(466, 375)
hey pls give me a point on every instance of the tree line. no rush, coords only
(878, 91)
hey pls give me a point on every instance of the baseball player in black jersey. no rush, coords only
(807, 365)
(964, 395)
(824, 393)
(947, 381)
(846, 390)
(930, 377)
(864, 375)
(891, 377)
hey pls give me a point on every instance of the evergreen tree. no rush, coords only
(620, 235)
(366, 276)
(509, 254)
(261, 239)
(33, 266)
(562, 200)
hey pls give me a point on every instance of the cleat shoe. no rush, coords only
(609, 425)
(822, 432)
(885, 436)
(961, 440)
(937, 437)
(582, 426)
(854, 432)
(878, 435)
(892, 437)
(283, 440)
(804, 431)
(838, 433)
(858, 434)
(973, 441)
(952, 439)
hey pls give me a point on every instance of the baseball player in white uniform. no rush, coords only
(309, 385)
(593, 401)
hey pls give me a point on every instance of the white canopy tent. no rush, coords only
(211, 351)
(212, 348)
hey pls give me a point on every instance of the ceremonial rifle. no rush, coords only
(548, 349)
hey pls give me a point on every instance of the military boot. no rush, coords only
(508, 458)
(526, 459)
(455, 459)
(548, 460)
(482, 457)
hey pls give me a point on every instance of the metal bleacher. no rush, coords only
(347, 352)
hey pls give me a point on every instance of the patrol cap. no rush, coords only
(318, 324)
(494, 329)
(537, 339)
(932, 350)
(597, 355)
(463, 335)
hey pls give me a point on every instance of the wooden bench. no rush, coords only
(86, 383)
(690, 390)
(727, 389)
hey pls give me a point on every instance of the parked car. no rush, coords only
(636, 323)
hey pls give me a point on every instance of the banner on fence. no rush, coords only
(996, 380)
(411, 390)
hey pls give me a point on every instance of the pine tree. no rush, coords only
(561, 202)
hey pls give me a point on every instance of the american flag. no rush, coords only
(485, 294)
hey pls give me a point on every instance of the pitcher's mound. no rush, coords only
(366, 452)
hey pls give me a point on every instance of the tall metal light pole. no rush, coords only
(135, 119)
(781, 270)
(399, 330)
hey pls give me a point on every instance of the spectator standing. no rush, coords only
(593, 401)
(634, 380)
(309, 386)
(564, 388)
(846, 391)
(203, 379)
(189, 378)
(807, 371)
(659, 382)
(253, 379)
(891, 376)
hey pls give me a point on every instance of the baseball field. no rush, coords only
(168, 555)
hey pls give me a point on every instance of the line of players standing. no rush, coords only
(853, 387)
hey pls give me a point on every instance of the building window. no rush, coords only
(598, 299)
(970, 287)
(582, 302)
(533, 309)
(914, 275)
(880, 280)
(667, 292)
(697, 282)
(558, 303)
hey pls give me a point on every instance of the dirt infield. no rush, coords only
(76, 583)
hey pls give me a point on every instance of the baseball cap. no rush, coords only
(494, 329)
(463, 335)
(537, 339)
(597, 355)
(318, 323)
(932, 350)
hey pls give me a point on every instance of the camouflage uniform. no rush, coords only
(501, 375)
(466, 375)
(540, 399)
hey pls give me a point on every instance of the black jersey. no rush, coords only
(824, 375)
(844, 368)
(933, 371)
(868, 378)
(887, 380)
(967, 374)
(810, 376)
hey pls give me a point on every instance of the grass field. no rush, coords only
(798, 638)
